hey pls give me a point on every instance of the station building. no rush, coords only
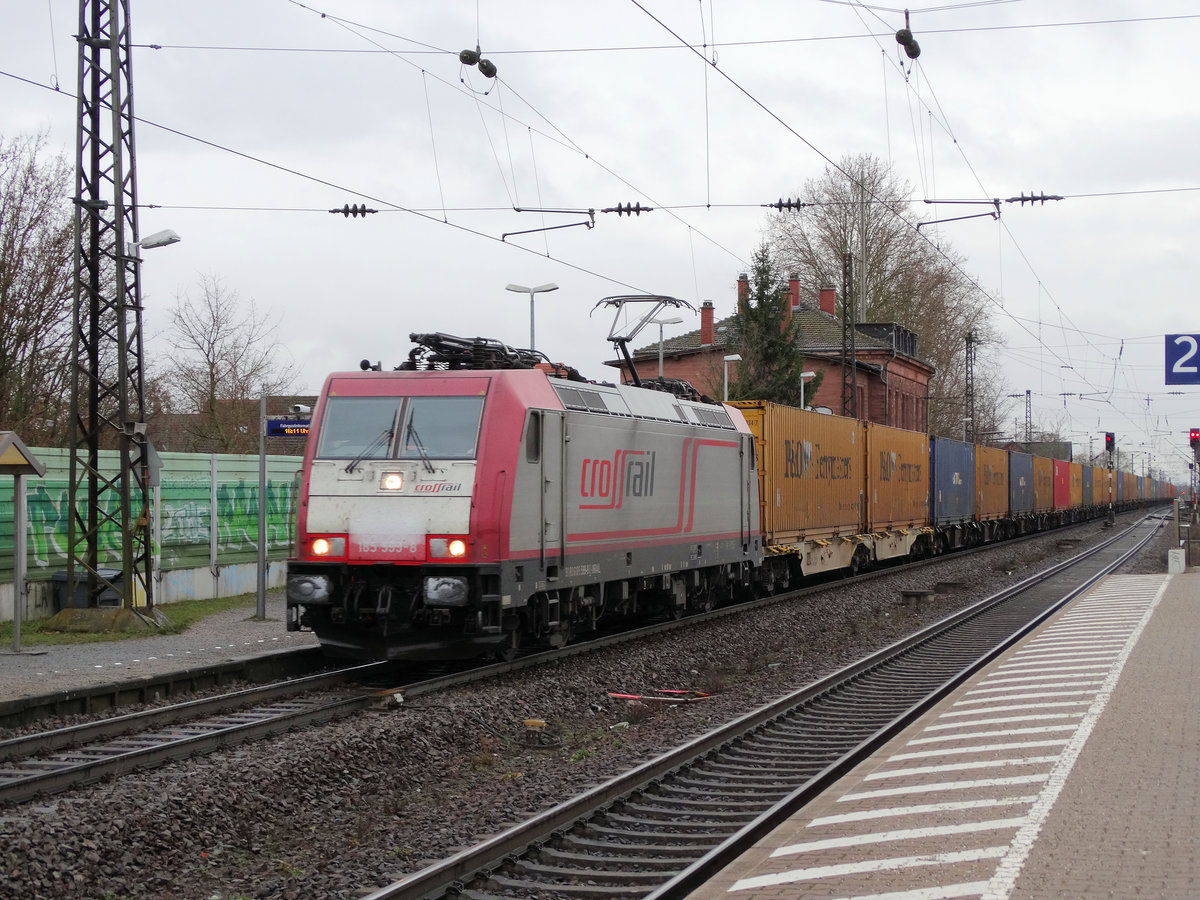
(892, 381)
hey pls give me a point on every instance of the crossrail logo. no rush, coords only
(438, 487)
(629, 473)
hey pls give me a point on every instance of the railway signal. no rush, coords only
(1110, 441)
(1194, 437)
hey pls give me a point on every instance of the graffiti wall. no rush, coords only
(206, 513)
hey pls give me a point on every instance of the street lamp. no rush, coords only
(674, 320)
(733, 357)
(163, 238)
(540, 289)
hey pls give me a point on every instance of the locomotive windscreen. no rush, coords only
(400, 428)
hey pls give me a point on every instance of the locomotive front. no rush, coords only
(389, 562)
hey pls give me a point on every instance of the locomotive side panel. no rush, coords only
(811, 469)
(991, 483)
(897, 478)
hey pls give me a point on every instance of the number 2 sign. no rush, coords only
(1183, 359)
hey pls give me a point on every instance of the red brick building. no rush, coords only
(892, 382)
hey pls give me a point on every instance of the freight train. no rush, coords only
(479, 500)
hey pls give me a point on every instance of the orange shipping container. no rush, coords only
(1043, 484)
(991, 483)
(897, 478)
(810, 470)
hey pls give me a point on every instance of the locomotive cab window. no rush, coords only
(400, 428)
(533, 436)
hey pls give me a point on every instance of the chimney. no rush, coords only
(706, 323)
(743, 291)
(828, 299)
(793, 300)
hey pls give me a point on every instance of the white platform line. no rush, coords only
(934, 788)
(1003, 695)
(978, 748)
(941, 892)
(902, 834)
(1005, 720)
(922, 809)
(916, 771)
(874, 865)
(984, 735)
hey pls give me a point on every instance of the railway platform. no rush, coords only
(1068, 768)
(216, 639)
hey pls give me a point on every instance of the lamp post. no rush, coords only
(733, 357)
(531, 291)
(804, 376)
(674, 320)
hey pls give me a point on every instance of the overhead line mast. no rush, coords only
(107, 401)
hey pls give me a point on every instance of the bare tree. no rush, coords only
(36, 285)
(228, 359)
(861, 207)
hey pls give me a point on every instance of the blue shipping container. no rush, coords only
(1087, 487)
(1020, 484)
(952, 481)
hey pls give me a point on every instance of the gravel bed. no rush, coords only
(337, 810)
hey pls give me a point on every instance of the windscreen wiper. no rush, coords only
(416, 440)
(384, 436)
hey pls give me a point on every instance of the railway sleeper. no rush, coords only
(521, 888)
(648, 841)
(591, 859)
(594, 876)
(595, 845)
(705, 818)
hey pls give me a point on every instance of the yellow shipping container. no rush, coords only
(897, 478)
(811, 472)
(1043, 484)
(1076, 485)
(991, 483)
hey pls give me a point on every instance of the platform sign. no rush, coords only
(1183, 359)
(281, 427)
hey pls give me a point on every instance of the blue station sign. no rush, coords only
(1183, 359)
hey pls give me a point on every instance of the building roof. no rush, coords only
(817, 333)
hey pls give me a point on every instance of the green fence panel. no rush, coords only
(186, 495)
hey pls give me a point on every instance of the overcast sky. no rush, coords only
(279, 113)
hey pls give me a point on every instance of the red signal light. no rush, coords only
(1194, 437)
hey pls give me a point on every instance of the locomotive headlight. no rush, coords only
(447, 548)
(332, 546)
(391, 481)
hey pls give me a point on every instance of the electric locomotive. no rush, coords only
(479, 499)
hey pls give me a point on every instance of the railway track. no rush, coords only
(53, 761)
(665, 827)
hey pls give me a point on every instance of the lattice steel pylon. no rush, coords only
(110, 504)
(969, 406)
(849, 361)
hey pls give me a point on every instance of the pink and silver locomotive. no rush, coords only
(478, 500)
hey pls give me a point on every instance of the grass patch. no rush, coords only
(182, 615)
